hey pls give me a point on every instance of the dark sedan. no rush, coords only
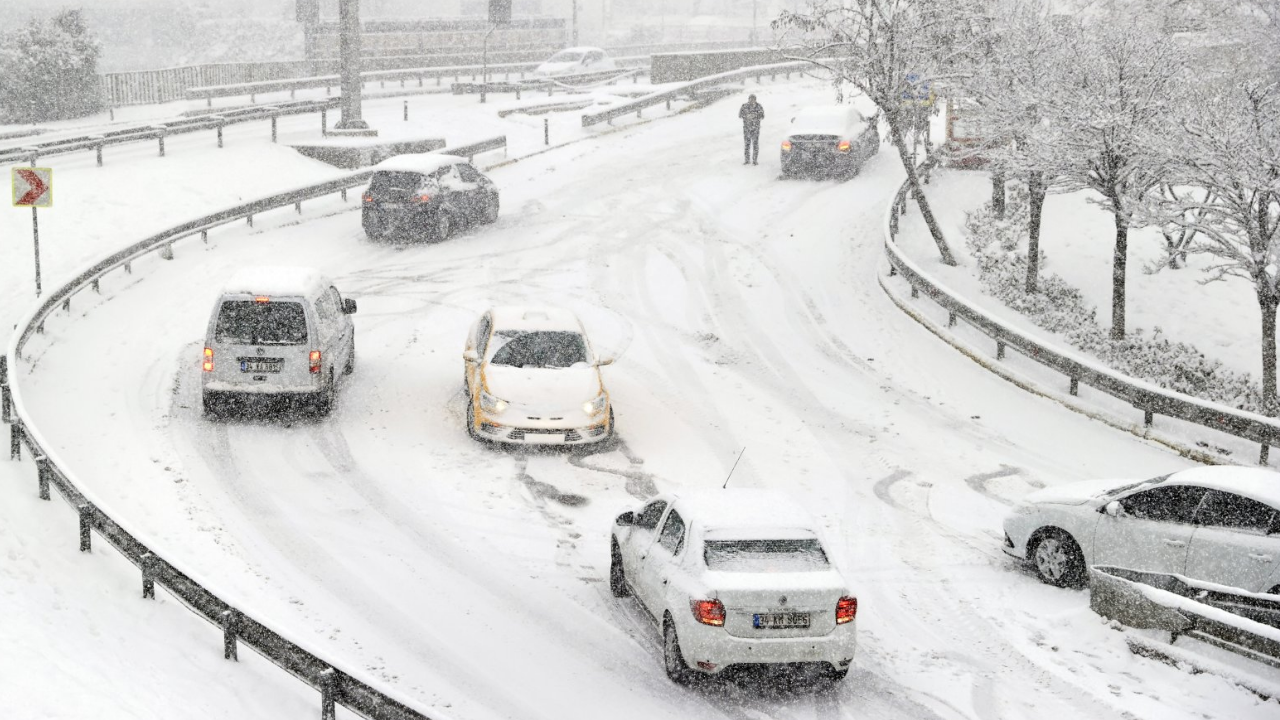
(834, 140)
(427, 196)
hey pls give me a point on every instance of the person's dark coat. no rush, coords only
(752, 113)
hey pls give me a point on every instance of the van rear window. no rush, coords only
(245, 322)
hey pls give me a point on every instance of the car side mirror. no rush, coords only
(605, 360)
(349, 306)
(1114, 509)
(471, 356)
(626, 519)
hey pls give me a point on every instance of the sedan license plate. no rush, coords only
(260, 366)
(780, 621)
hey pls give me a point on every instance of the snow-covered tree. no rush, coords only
(1013, 84)
(48, 70)
(1119, 78)
(1225, 158)
(875, 45)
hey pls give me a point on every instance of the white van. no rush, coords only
(277, 331)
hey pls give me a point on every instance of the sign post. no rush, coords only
(33, 188)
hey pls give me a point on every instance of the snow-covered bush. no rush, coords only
(48, 70)
(999, 248)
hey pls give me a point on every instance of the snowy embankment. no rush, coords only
(953, 193)
(747, 314)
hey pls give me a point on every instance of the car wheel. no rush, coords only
(444, 226)
(491, 211)
(672, 658)
(1274, 591)
(1058, 560)
(327, 397)
(617, 575)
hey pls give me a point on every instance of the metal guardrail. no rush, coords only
(421, 74)
(1152, 400)
(159, 131)
(350, 688)
(1187, 607)
(688, 89)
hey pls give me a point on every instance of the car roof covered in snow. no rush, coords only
(745, 514)
(825, 119)
(1255, 483)
(276, 280)
(580, 49)
(519, 317)
(424, 163)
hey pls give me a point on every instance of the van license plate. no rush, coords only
(259, 366)
(781, 621)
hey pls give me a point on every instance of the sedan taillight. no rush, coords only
(846, 609)
(843, 146)
(786, 146)
(207, 365)
(708, 612)
(367, 197)
(422, 198)
(314, 358)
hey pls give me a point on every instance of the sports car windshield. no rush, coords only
(765, 555)
(540, 349)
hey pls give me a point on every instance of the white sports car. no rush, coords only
(734, 577)
(1218, 524)
(575, 61)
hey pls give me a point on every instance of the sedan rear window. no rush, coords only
(387, 185)
(540, 349)
(245, 322)
(765, 555)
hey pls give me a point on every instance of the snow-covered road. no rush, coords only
(747, 314)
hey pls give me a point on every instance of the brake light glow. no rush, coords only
(367, 197)
(786, 146)
(708, 612)
(843, 146)
(207, 365)
(315, 361)
(423, 198)
(262, 299)
(846, 609)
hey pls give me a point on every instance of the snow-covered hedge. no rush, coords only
(999, 246)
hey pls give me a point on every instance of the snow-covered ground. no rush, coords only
(747, 314)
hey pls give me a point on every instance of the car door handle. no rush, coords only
(1261, 558)
(1174, 543)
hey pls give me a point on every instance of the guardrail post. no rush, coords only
(406, 111)
(298, 206)
(893, 270)
(148, 576)
(324, 122)
(5, 400)
(328, 694)
(1264, 454)
(951, 319)
(915, 291)
(1075, 386)
(1148, 417)
(166, 251)
(999, 350)
(419, 79)
(42, 476)
(98, 148)
(546, 131)
(15, 440)
(160, 131)
(97, 286)
(219, 135)
(273, 127)
(86, 526)
(668, 103)
(344, 194)
(640, 112)
(250, 219)
(253, 98)
(204, 236)
(230, 631)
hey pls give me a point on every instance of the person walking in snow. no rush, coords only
(751, 113)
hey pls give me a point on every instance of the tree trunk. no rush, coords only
(997, 195)
(1035, 191)
(1118, 262)
(1267, 303)
(913, 180)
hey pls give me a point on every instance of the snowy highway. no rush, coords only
(746, 313)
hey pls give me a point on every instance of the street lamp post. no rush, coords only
(349, 48)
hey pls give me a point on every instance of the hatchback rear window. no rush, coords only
(765, 555)
(245, 322)
(394, 184)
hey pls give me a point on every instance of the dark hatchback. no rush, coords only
(427, 196)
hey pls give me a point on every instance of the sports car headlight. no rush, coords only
(596, 406)
(491, 404)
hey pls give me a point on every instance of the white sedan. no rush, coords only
(734, 577)
(575, 61)
(1218, 524)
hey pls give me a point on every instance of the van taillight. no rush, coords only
(315, 361)
(846, 609)
(708, 612)
(208, 360)
(843, 146)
